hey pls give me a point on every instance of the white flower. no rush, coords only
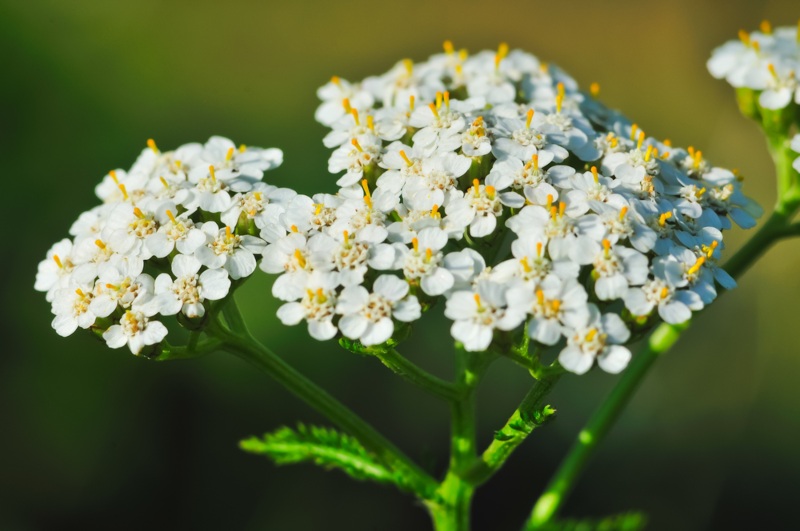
(189, 289)
(54, 271)
(225, 249)
(423, 263)
(554, 304)
(317, 306)
(616, 268)
(367, 316)
(476, 314)
(135, 329)
(175, 232)
(600, 338)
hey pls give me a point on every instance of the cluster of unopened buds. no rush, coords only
(489, 180)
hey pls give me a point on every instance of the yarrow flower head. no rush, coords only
(169, 237)
(763, 65)
(488, 183)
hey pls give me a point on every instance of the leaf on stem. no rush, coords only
(324, 447)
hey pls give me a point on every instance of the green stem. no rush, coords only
(530, 414)
(419, 377)
(240, 343)
(597, 427)
(453, 512)
(659, 342)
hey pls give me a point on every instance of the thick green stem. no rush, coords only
(453, 512)
(240, 343)
(530, 414)
(659, 342)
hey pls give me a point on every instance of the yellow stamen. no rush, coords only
(100, 244)
(634, 128)
(428, 254)
(318, 208)
(772, 71)
(229, 154)
(409, 64)
(662, 219)
(477, 299)
(559, 97)
(697, 265)
(595, 175)
(367, 196)
(648, 153)
(213, 173)
(335, 80)
(540, 296)
(228, 233)
(242, 149)
(370, 123)
(356, 145)
(448, 47)
(700, 192)
(640, 141)
(622, 212)
(138, 213)
(667, 142)
(354, 112)
(164, 182)
(756, 46)
(415, 244)
(124, 191)
(293, 228)
(301, 260)
(502, 51)
(489, 191)
(744, 37)
(476, 185)
(711, 248)
(594, 89)
(555, 305)
(113, 175)
(152, 145)
(606, 247)
(346, 236)
(539, 247)
(58, 261)
(447, 98)
(544, 68)
(171, 216)
(525, 265)
(434, 110)
(553, 211)
(549, 201)
(438, 100)
(80, 292)
(665, 155)
(320, 296)
(591, 335)
(346, 104)
(411, 100)
(529, 119)
(765, 27)
(435, 211)
(535, 161)
(405, 158)
(562, 207)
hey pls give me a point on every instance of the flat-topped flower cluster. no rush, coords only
(489, 180)
(170, 234)
(766, 61)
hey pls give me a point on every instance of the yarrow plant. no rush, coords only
(550, 229)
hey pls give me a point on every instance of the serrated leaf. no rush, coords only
(324, 447)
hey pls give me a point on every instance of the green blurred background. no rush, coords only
(96, 439)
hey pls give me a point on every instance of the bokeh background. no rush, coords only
(96, 439)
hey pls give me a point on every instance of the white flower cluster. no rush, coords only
(171, 233)
(766, 61)
(439, 161)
